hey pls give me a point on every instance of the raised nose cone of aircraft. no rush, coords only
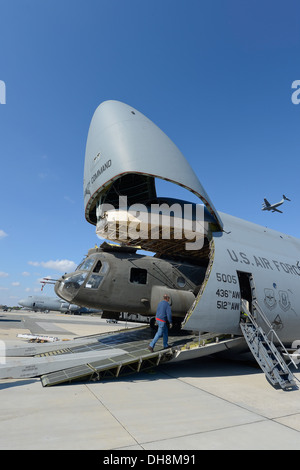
(125, 153)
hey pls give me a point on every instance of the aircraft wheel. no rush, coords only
(153, 325)
(176, 325)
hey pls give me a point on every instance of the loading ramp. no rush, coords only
(135, 356)
(108, 355)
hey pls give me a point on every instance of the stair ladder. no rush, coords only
(263, 348)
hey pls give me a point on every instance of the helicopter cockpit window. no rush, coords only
(71, 285)
(87, 264)
(94, 281)
(138, 276)
(79, 266)
(97, 267)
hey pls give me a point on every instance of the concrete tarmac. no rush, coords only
(205, 403)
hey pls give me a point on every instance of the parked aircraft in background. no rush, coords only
(41, 303)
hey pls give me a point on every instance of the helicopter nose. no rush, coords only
(67, 288)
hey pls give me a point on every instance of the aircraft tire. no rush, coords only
(152, 322)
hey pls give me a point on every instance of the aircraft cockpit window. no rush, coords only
(94, 281)
(138, 276)
(79, 266)
(104, 268)
(87, 264)
(70, 286)
(97, 267)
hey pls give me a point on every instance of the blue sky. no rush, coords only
(215, 76)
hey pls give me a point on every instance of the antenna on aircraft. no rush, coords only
(47, 281)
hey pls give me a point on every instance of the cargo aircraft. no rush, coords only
(231, 265)
(233, 285)
(42, 303)
(273, 207)
(125, 154)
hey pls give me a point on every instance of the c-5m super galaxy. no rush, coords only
(273, 207)
(224, 275)
(125, 154)
(233, 263)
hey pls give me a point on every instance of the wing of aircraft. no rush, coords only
(267, 203)
(277, 210)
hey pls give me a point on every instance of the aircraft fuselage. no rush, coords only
(247, 250)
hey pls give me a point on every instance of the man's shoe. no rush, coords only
(168, 346)
(150, 349)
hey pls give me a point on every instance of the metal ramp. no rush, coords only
(261, 344)
(134, 354)
(107, 368)
(108, 355)
(135, 357)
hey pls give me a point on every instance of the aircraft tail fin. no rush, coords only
(285, 198)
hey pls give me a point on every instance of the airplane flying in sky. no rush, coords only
(273, 207)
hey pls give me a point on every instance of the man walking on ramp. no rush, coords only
(163, 314)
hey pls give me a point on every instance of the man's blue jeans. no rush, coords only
(162, 331)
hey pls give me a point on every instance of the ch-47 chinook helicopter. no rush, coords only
(120, 280)
(230, 265)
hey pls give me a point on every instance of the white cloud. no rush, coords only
(25, 273)
(62, 265)
(3, 274)
(2, 234)
(15, 284)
